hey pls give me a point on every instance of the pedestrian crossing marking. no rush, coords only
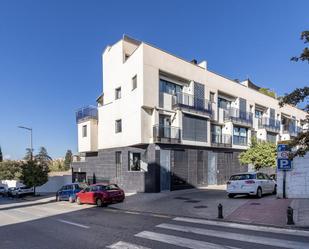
(126, 245)
(237, 236)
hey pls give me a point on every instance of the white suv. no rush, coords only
(254, 183)
(22, 191)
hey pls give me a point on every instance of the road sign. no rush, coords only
(284, 164)
(283, 147)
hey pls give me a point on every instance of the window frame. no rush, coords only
(84, 131)
(118, 93)
(134, 82)
(118, 121)
(130, 166)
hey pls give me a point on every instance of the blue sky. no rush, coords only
(50, 54)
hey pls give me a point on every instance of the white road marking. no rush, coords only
(73, 223)
(125, 245)
(180, 241)
(131, 212)
(237, 236)
(244, 226)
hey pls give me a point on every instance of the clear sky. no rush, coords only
(50, 54)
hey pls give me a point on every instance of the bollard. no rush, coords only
(289, 214)
(220, 211)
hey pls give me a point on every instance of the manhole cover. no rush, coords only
(201, 206)
(255, 203)
(181, 198)
(192, 201)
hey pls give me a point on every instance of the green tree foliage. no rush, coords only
(1, 156)
(260, 154)
(57, 165)
(300, 96)
(43, 157)
(28, 155)
(267, 92)
(10, 170)
(34, 173)
(68, 159)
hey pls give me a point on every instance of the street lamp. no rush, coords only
(31, 145)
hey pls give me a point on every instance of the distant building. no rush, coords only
(164, 123)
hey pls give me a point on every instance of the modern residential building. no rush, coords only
(165, 123)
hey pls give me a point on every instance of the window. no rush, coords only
(118, 93)
(212, 97)
(134, 161)
(240, 136)
(194, 128)
(169, 87)
(271, 137)
(223, 103)
(258, 113)
(118, 157)
(84, 130)
(118, 126)
(134, 82)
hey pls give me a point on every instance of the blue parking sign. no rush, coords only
(284, 164)
(283, 147)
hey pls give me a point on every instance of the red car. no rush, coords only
(100, 194)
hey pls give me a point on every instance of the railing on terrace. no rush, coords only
(221, 140)
(189, 101)
(86, 112)
(237, 116)
(238, 140)
(270, 124)
(163, 133)
(292, 129)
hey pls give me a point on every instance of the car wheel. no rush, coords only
(78, 201)
(259, 193)
(71, 199)
(231, 195)
(275, 190)
(99, 202)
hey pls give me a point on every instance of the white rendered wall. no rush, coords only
(90, 142)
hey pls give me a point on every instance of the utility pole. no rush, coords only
(31, 139)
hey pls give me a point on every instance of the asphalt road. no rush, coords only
(53, 225)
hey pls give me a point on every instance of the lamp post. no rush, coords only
(31, 144)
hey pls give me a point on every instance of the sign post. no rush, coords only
(283, 163)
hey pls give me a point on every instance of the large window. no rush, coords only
(240, 136)
(223, 103)
(118, 93)
(258, 114)
(194, 128)
(84, 130)
(118, 126)
(169, 87)
(134, 161)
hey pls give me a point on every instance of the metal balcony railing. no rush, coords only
(221, 140)
(237, 116)
(292, 129)
(190, 102)
(269, 124)
(238, 140)
(166, 134)
(86, 112)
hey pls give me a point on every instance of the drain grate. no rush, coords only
(255, 203)
(201, 206)
(182, 198)
(193, 201)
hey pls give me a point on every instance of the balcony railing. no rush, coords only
(166, 134)
(221, 140)
(269, 124)
(192, 103)
(237, 116)
(238, 140)
(86, 112)
(292, 130)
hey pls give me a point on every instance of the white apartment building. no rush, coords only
(164, 123)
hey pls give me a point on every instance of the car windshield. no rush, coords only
(242, 177)
(101, 187)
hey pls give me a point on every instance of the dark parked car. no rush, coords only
(100, 194)
(3, 191)
(68, 192)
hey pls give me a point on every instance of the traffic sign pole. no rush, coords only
(284, 184)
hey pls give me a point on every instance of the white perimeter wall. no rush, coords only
(297, 180)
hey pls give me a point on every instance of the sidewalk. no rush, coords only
(301, 212)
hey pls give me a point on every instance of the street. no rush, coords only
(44, 223)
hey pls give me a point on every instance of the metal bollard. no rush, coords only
(220, 211)
(289, 214)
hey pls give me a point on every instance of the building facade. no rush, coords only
(164, 123)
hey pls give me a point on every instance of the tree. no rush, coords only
(1, 156)
(57, 165)
(10, 170)
(267, 92)
(261, 154)
(43, 157)
(34, 173)
(28, 155)
(68, 159)
(298, 96)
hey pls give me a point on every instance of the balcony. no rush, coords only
(190, 103)
(272, 125)
(221, 140)
(166, 134)
(238, 140)
(88, 112)
(292, 130)
(238, 117)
